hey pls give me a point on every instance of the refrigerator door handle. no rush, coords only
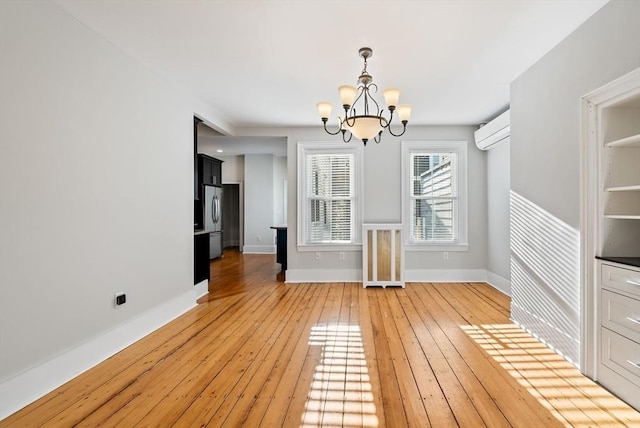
(214, 207)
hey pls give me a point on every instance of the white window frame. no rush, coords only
(460, 242)
(335, 148)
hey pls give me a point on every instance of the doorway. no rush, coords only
(232, 215)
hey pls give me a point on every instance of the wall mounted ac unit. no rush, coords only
(493, 132)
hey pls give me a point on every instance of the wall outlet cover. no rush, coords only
(121, 299)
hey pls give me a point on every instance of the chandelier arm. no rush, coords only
(368, 97)
(404, 128)
(353, 117)
(353, 106)
(344, 134)
(384, 123)
(378, 138)
(324, 121)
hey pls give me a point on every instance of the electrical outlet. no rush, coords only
(259, 238)
(445, 255)
(341, 255)
(120, 299)
(318, 255)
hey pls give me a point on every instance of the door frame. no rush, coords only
(590, 210)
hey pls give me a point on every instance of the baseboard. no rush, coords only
(499, 283)
(551, 336)
(38, 381)
(445, 275)
(259, 249)
(201, 289)
(411, 275)
(323, 275)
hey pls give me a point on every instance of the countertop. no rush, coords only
(200, 231)
(629, 261)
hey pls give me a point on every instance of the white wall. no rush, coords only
(382, 203)
(232, 167)
(279, 177)
(96, 187)
(258, 204)
(545, 169)
(498, 185)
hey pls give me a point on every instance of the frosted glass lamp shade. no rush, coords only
(365, 127)
(347, 94)
(404, 112)
(391, 96)
(324, 108)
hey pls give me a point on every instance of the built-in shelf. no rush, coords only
(631, 141)
(623, 188)
(613, 235)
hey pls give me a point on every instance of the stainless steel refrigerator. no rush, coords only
(213, 219)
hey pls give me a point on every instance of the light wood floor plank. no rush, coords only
(260, 353)
(276, 409)
(253, 407)
(461, 388)
(511, 397)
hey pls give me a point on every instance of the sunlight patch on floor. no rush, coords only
(340, 394)
(555, 383)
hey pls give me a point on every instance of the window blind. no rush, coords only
(434, 197)
(330, 198)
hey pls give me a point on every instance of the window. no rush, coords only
(329, 194)
(434, 195)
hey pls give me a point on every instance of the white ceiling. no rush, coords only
(267, 63)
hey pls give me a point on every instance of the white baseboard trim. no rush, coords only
(201, 289)
(259, 249)
(445, 275)
(563, 344)
(499, 283)
(323, 275)
(30, 385)
(411, 275)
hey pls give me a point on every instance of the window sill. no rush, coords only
(330, 247)
(436, 247)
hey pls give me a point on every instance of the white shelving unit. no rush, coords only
(620, 166)
(631, 141)
(617, 239)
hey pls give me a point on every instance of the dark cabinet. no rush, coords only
(201, 257)
(209, 170)
(281, 246)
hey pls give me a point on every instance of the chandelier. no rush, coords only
(362, 122)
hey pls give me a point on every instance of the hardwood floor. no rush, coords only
(258, 352)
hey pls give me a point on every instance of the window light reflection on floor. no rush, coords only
(552, 380)
(340, 393)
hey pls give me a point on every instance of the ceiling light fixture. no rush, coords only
(362, 123)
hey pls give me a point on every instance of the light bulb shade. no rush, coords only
(364, 127)
(324, 108)
(404, 112)
(347, 94)
(391, 96)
